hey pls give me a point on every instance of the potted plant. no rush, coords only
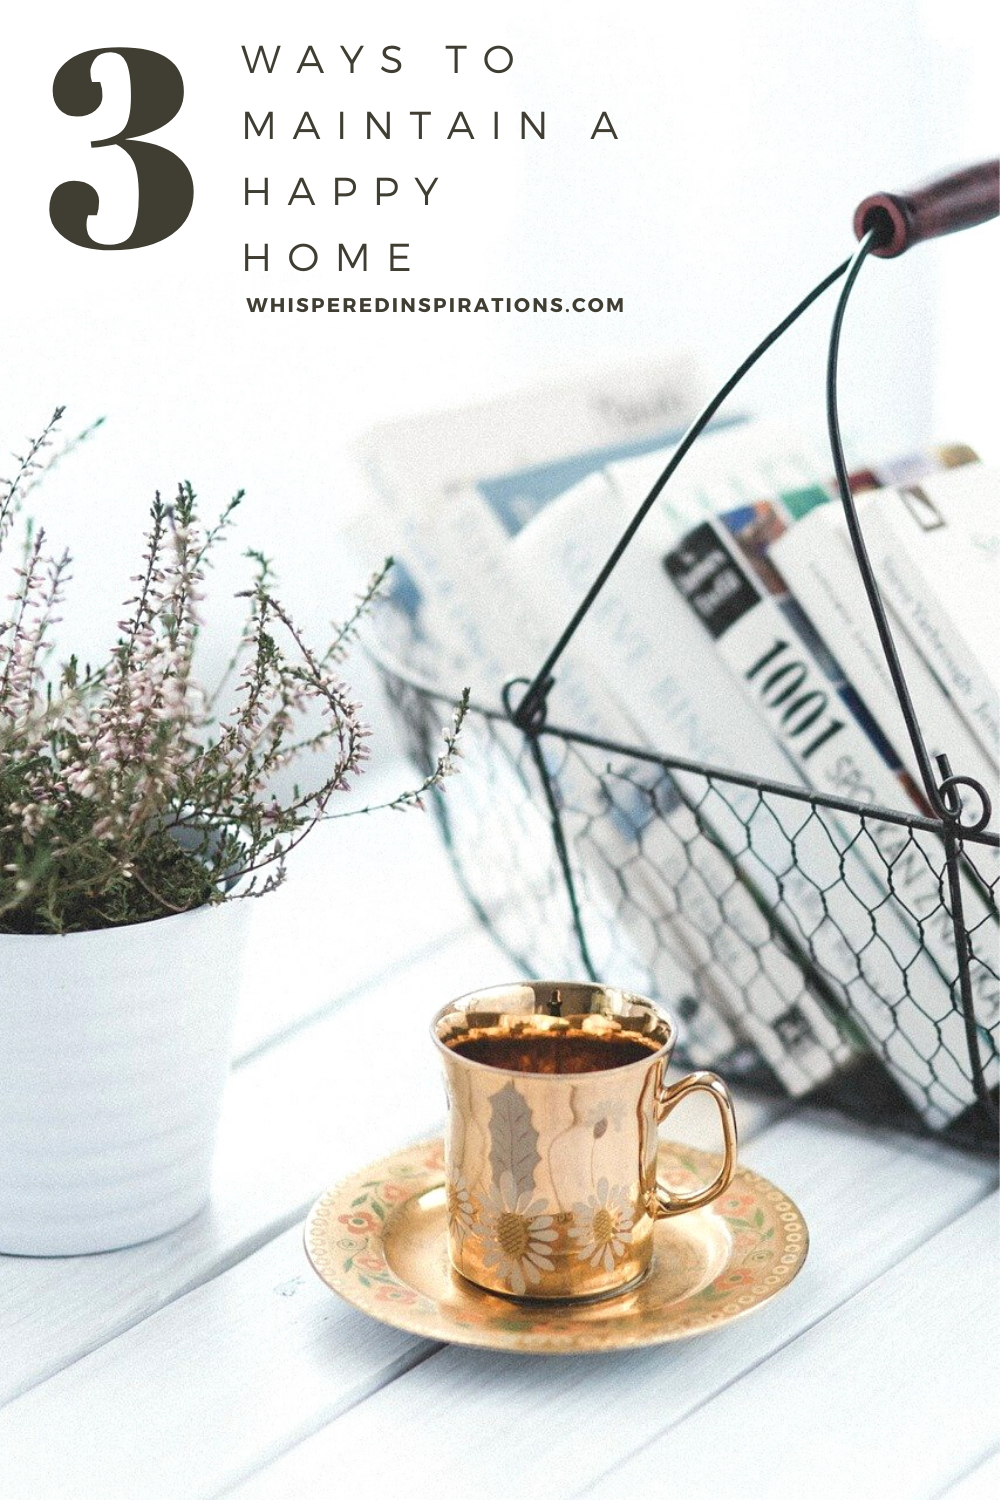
(139, 813)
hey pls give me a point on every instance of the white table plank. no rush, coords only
(214, 1385)
(185, 1402)
(544, 1427)
(301, 1114)
(884, 1398)
(980, 1483)
(342, 1090)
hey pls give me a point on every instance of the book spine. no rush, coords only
(734, 952)
(818, 569)
(637, 834)
(794, 684)
(913, 601)
(680, 883)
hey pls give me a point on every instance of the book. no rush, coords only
(841, 945)
(720, 568)
(817, 561)
(682, 701)
(532, 444)
(758, 532)
(783, 464)
(935, 550)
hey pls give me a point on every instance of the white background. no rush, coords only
(747, 133)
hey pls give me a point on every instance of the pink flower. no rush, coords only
(399, 1294)
(369, 1262)
(737, 1202)
(359, 1223)
(735, 1278)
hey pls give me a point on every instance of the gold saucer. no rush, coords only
(379, 1240)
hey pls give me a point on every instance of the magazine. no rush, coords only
(886, 971)
(816, 560)
(798, 687)
(935, 547)
(682, 700)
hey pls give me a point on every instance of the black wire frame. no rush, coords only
(527, 711)
(539, 909)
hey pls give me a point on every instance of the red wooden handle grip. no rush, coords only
(939, 207)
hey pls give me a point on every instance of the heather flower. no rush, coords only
(125, 792)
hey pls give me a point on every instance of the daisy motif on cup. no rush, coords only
(603, 1226)
(461, 1209)
(517, 1235)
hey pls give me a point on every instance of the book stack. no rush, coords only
(735, 634)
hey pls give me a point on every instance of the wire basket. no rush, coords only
(736, 900)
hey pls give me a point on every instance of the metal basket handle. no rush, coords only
(957, 201)
(887, 224)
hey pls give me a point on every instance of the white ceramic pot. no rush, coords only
(114, 1050)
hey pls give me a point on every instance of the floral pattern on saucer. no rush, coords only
(355, 1229)
(346, 1235)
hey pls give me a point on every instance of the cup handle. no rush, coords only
(666, 1203)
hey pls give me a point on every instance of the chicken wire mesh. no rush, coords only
(806, 946)
(810, 943)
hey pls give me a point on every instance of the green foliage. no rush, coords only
(125, 793)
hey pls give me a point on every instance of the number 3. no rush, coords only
(166, 191)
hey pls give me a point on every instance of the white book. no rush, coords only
(817, 561)
(936, 554)
(681, 697)
(799, 691)
(875, 976)
(533, 442)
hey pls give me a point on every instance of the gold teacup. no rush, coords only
(555, 1092)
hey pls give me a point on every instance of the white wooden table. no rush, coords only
(213, 1362)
